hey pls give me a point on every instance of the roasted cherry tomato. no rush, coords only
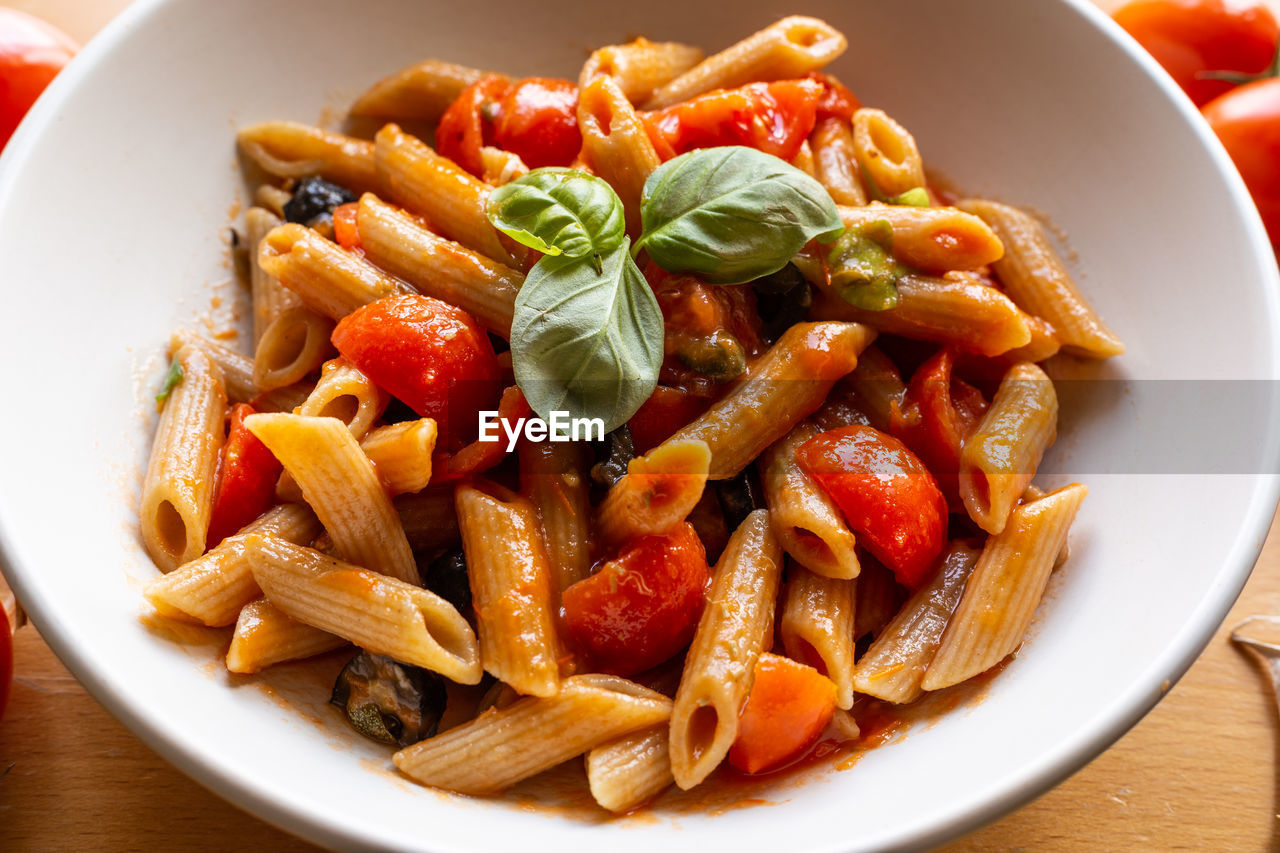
(31, 55)
(6, 659)
(837, 101)
(665, 412)
(537, 119)
(247, 477)
(345, 233)
(775, 118)
(937, 415)
(465, 127)
(642, 607)
(430, 355)
(1193, 37)
(886, 494)
(788, 707)
(1247, 120)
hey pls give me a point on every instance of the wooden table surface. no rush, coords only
(1197, 774)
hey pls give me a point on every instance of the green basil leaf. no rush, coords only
(559, 211)
(918, 197)
(586, 342)
(732, 214)
(863, 269)
(171, 380)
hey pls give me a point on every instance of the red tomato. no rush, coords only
(31, 55)
(247, 477)
(775, 118)
(6, 659)
(788, 707)
(665, 412)
(463, 129)
(1191, 37)
(537, 119)
(430, 355)
(885, 493)
(837, 101)
(345, 232)
(642, 607)
(1247, 120)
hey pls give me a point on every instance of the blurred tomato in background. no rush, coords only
(31, 55)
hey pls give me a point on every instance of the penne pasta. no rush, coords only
(631, 770)
(893, 667)
(658, 491)
(1039, 283)
(817, 627)
(511, 590)
(330, 280)
(264, 636)
(340, 485)
(640, 66)
(886, 154)
(835, 163)
(294, 345)
(720, 664)
(791, 47)
(615, 144)
(287, 149)
(428, 518)
(503, 746)
(345, 393)
(380, 614)
(1006, 586)
(177, 492)
(401, 454)
(1000, 457)
(554, 475)
(237, 375)
(934, 239)
(785, 386)
(421, 92)
(270, 298)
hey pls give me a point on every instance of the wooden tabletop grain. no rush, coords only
(1198, 773)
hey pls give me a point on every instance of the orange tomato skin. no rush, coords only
(537, 119)
(788, 707)
(1191, 37)
(1247, 121)
(31, 55)
(247, 474)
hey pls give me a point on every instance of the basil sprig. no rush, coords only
(171, 379)
(559, 211)
(732, 214)
(587, 342)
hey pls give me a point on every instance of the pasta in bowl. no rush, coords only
(796, 404)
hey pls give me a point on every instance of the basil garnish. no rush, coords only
(732, 214)
(559, 211)
(171, 380)
(587, 342)
(863, 269)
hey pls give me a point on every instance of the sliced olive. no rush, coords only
(446, 576)
(389, 701)
(718, 356)
(315, 198)
(739, 496)
(612, 456)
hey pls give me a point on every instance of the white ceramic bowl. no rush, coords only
(114, 197)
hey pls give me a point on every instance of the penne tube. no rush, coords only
(887, 154)
(293, 345)
(804, 160)
(428, 517)
(503, 746)
(893, 667)
(640, 66)
(378, 613)
(720, 665)
(785, 386)
(871, 394)
(1005, 588)
(1044, 343)
(957, 309)
(934, 239)
(414, 176)
(236, 369)
(272, 198)
(401, 454)
(214, 587)
(511, 580)
(808, 525)
(554, 475)
(264, 636)
(501, 167)
(420, 92)
(835, 164)
(615, 144)
(177, 492)
(879, 598)
(287, 149)
(345, 393)
(330, 280)
(817, 627)
(340, 485)
(792, 47)
(631, 770)
(1038, 281)
(658, 491)
(438, 267)
(270, 298)
(1000, 457)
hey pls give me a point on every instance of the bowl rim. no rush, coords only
(1037, 778)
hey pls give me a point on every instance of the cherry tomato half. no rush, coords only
(537, 119)
(31, 55)
(1247, 120)
(1192, 37)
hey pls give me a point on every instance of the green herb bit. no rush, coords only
(171, 380)
(560, 212)
(918, 197)
(863, 270)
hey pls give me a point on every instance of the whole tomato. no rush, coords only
(1193, 37)
(31, 54)
(1247, 120)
